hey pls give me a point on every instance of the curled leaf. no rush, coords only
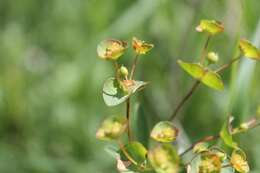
(111, 128)
(134, 155)
(249, 50)
(206, 76)
(141, 47)
(210, 26)
(164, 159)
(116, 92)
(111, 49)
(239, 161)
(164, 131)
(210, 163)
(226, 133)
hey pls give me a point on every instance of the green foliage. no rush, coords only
(226, 133)
(206, 76)
(51, 82)
(136, 153)
(164, 157)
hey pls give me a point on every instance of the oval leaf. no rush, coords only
(111, 49)
(111, 128)
(239, 161)
(115, 93)
(206, 76)
(164, 159)
(140, 46)
(249, 50)
(164, 131)
(210, 26)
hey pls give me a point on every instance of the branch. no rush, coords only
(133, 67)
(185, 98)
(223, 67)
(194, 86)
(116, 68)
(204, 50)
(128, 107)
(204, 139)
(251, 124)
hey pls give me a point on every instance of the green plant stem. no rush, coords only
(128, 107)
(133, 67)
(226, 166)
(194, 86)
(223, 67)
(128, 103)
(116, 68)
(204, 50)
(185, 98)
(252, 123)
(205, 139)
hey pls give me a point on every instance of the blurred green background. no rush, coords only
(51, 79)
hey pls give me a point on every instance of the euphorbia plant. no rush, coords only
(163, 156)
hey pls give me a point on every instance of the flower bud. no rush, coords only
(123, 71)
(212, 57)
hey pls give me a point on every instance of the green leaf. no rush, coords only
(206, 76)
(115, 93)
(141, 119)
(164, 131)
(111, 49)
(111, 128)
(226, 135)
(164, 159)
(112, 151)
(239, 161)
(212, 27)
(136, 153)
(249, 50)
